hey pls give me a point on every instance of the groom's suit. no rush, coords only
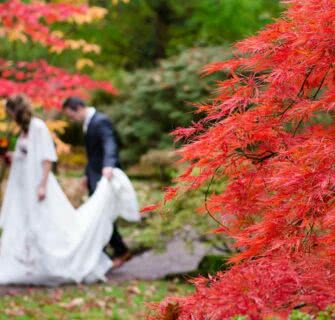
(102, 151)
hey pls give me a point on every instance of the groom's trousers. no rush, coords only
(116, 242)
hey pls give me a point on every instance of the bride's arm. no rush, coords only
(41, 193)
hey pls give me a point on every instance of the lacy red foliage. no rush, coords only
(259, 131)
(257, 289)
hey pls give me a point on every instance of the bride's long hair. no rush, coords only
(20, 106)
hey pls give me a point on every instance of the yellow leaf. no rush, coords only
(16, 35)
(97, 13)
(92, 14)
(57, 50)
(36, 104)
(73, 303)
(3, 126)
(61, 147)
(82, 63)
(9, 126)
(115, 2)
(2, 32)
(91, 48)
(73, 44)
(83, 45)
(57, 125)
(77, 2)
(58, 34)
(2, 109)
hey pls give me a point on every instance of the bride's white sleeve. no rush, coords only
(47, 146)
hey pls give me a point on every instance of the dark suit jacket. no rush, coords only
(101, 147)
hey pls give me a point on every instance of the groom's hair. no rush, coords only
(73, 103)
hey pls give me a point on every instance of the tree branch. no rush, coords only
(206, 197)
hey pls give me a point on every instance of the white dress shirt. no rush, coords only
(90, 112)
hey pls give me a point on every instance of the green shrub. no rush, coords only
(74, 160)
(323, 315)
(154, 102)
(179, 217)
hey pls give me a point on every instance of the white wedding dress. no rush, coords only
(50, 242)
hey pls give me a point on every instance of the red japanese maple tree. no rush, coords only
(45, 84)
(261, 131)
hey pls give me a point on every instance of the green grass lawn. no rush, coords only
(126, 301)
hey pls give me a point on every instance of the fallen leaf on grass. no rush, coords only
(133, 290)
(77, 302)
(13, 292)
(150, 291)
(56, 295)
(172, 288)
(108, 289)
(14, 312)
(101, 304)
(93, 304)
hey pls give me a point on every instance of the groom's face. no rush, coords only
(74, 115)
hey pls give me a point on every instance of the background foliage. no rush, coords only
(156, 65)
(168, 27)
(153, 102)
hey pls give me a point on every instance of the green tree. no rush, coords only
(154, 102)
(139, 33)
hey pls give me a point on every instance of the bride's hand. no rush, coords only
(41, 193)
(8, 157)
(9, 154)
(84, 182)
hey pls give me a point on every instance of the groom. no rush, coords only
(102, 153)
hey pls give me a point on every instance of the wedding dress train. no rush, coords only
(50, 242)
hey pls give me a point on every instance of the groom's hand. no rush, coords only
(108, 172)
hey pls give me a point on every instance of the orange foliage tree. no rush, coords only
(45, 84)
(261, 131)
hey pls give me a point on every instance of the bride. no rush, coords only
(44, 240)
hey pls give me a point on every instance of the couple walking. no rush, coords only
(44, 240)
